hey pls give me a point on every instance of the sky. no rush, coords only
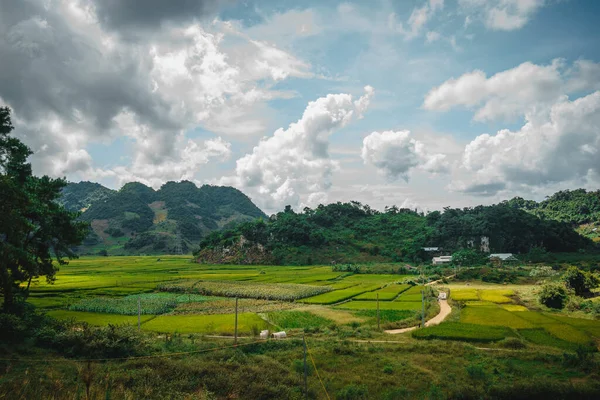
(422, 104)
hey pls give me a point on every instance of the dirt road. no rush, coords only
(445, 310)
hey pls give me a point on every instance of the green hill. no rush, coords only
(579, 208)
(352, 232)
(140, 220)
(79, 196)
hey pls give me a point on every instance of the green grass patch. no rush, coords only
(150, 303)
(252, 290)
(387, 293)
(297, 319)
(223, 324)
(463, 332)
(385, 315)
(542, 337)
(464, 295)
(499, 296)
(493, 315)
(338, 295)
(97, 318)
(383, 305)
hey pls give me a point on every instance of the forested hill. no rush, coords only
(579, 208)
(140, 220)
(352, 232)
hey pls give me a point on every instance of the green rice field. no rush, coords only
(177, 295)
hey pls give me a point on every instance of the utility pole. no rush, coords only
(423, 307)
(236, 320)
(378, 311)
(305, 369)
(178, 246)
(139, 311)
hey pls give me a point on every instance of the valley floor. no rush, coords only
(494, 341)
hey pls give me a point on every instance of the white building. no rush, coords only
(504, 257)
(441, 260)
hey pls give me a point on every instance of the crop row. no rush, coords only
(340, 295)
(253, 290)
(387, 293)
(462, 331)
(150, 303)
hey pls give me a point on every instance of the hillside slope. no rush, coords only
(351, 232)
(140, 220)
(579, 208)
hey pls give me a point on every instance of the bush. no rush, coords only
(554, 296)
(12, 328)
(353, 392)
(580, 281)
(513, 343)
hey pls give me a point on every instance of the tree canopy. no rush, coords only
(34, 228)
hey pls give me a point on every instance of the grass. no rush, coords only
(542, 337)
(252, 290)
(386, 315)
(150, 303)
(410, 295)
(387, 293)
(493, 315)
(339, 295)
(99, 319)
(463, 331)
(464, 295)
(222, 324)
(297, 319)
(498, 296)
(383, 305)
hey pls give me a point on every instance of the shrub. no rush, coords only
(513, 343)
(388, 369)
(580, 281)
(353, 392)
(553, 296)
(12, 328)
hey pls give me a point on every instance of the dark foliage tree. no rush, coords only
(582, 282)
(35, 229)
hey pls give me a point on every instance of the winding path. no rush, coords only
(445, 310)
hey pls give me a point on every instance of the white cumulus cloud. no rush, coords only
(564, 148)
(396, 153)
(293, 166)
(526, 89)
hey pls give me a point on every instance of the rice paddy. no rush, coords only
(252, 290)
(177, 295)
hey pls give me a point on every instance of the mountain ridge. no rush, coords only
(137, 219)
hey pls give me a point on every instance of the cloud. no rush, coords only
(396, 154)
(293, 166)
(73, 80)
(131, 15)
(503, 15)
(525, 89)
(564, 148)
(417, 20)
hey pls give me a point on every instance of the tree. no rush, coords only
(581, 282)
(467, 258)
(34, 228)
(554, 295)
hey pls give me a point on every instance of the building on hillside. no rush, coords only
(441, 260)
(431, 249)
(503, 258)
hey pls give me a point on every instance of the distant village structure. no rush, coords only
(482, 244)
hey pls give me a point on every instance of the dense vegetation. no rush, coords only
(350, 232)
(137, 219)
(571, 206)
(34, 229)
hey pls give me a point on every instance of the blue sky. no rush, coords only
(425, 103)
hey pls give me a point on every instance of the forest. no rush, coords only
(342, 232)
